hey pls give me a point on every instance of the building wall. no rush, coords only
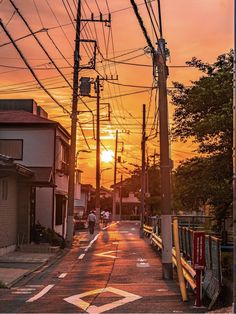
(8, 214)
(38, 145)
(81, 201)
(44, 202)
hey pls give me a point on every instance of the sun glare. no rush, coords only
(107, 155)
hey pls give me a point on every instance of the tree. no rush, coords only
(204, 112)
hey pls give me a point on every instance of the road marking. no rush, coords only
(142, 265)
(40, 294)
(34, 286)
(81, 256)
(133, 229)
(23, 289)
(21, 292)
(92, 309)
(115, 242)
(63, 275)
(107, 254)
(141, 260)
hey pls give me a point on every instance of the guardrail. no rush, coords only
(200, 256)
(188, 272)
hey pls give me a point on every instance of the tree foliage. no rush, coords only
(204, 112)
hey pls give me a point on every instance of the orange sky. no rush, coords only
(191, 28)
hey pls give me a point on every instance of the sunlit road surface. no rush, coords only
(112, 272)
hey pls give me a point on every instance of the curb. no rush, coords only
(50, 262)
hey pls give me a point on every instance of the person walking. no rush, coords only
(91, 222)
(106, 218)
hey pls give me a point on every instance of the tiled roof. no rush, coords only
(22, 117)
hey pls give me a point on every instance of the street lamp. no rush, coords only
(105, 170)
(77, 155)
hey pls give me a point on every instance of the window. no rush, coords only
(3, 189)
(12, 148)
(65, 153)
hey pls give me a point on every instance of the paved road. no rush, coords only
(113, 272)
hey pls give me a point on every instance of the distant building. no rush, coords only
(81, 204)
(42, 146)
(127, 203)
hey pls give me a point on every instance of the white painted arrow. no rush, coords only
(107, 254)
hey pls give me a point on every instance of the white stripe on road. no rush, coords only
(22, 292)
(91, 243)
(34, 286)
(41, 293)
(81, 256)
(63, 275)
(23, 289)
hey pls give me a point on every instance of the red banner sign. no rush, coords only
(198, 249)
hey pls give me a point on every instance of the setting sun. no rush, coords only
(107, 155)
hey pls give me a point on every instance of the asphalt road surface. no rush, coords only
(112, 272)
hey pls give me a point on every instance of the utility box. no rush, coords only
(85, 86)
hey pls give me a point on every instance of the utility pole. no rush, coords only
(71, 186)
(98, 174)
(165, 165)
(121, 186)
(114, 185)
(143, 188)
(234, 166)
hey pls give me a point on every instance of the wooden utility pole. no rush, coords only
(234, 167)
(114, 185)
(98, 171)
(143, 185)
(121, 187)
(70, 211)
(165, 165)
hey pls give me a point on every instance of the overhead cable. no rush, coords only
(31, 70)
(39, 42)
(135, 8)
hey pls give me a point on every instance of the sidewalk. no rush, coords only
(16, 265)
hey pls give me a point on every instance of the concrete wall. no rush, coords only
(8, 215)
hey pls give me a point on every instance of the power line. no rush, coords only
(31, 70)
(134, 5)
(39, 42)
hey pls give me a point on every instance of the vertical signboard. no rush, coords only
(198, 250)
(198, 262)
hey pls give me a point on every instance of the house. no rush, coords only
(42, 146)
(15, 204)
(127, 203)
(105, 193)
